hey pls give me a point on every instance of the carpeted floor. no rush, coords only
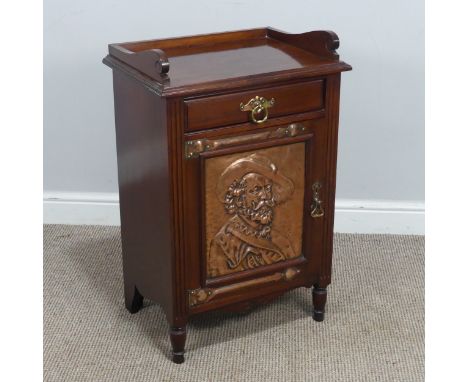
(373, 330)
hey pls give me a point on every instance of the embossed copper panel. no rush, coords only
(253, 208)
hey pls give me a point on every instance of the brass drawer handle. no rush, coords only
(316, 209)
(257, 107)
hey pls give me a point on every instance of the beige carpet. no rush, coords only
(373, 330)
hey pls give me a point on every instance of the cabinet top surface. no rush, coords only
(197, 63)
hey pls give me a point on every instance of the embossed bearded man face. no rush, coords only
(252, 197)
(250, 188)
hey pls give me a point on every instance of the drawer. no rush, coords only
(223, 110)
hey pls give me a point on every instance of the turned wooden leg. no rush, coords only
(133, 298)
(319, 297)
(178, 336)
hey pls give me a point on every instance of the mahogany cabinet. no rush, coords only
(227, 147)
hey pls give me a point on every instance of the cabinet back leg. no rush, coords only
(133, 298)
(178, 336)
(319, 298)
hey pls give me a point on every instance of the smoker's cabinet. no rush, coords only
(227, 149)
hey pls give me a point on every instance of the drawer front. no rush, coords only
(216, 111)
(254, 216)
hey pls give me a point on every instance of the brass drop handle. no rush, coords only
(316, 209)
(258, 106)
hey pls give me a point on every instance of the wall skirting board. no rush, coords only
(351, 216)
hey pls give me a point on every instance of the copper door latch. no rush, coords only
(316, 209)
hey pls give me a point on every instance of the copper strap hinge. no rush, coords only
(194, 148)
(203, 295)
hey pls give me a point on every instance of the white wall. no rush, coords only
(381, 149)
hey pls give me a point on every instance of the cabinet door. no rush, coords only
(253, 210)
